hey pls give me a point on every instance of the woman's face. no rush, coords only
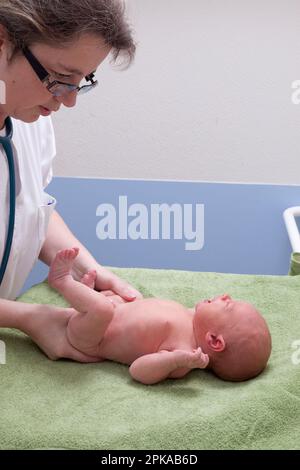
(25, 93)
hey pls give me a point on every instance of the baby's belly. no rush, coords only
(137, 329)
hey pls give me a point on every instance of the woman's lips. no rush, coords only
(45, 111)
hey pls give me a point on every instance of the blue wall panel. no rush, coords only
(243, 226)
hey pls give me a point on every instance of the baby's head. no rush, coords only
(234, 335)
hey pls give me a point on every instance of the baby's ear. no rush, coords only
(215, 342)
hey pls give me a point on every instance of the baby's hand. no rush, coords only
(194, 360)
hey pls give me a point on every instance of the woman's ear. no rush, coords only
(4, 41)
(3, 33)
(215, 342)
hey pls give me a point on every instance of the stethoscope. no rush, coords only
(6, 143)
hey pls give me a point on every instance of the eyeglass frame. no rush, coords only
(44, 75)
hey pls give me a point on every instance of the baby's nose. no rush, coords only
(225, 297)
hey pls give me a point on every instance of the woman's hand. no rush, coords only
(112, 285)
(114, 298)
(47, 327)
(90, 278)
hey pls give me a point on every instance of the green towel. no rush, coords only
(67, 405)
(295, 264)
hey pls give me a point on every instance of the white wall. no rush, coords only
(208, 97)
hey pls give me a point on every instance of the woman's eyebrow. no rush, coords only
(73, 71)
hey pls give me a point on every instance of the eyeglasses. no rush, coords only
(56, 87)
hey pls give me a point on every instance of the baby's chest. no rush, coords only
(133, 333)
(179, 337)
(147, 327)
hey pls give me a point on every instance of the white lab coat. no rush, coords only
(34, 150)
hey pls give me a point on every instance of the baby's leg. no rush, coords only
(76, 293)
(85, 329)
(89, 279)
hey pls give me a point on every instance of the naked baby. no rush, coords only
(162, 339)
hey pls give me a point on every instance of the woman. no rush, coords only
(49, 52)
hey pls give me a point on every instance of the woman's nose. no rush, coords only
(68, 100)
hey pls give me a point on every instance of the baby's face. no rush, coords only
(221, 309)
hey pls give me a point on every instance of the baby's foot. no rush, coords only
(60, 269)
(89, 278)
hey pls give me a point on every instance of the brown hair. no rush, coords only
(60, 22)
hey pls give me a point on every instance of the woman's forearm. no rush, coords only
(45, 324)
(59, 236)
(14, 314)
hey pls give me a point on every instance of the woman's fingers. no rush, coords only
(124, 290)
(108, 281)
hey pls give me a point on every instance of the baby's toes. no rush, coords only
(89, 279)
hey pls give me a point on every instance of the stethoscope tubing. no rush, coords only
(7, 146)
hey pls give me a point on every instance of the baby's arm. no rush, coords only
(153, 368)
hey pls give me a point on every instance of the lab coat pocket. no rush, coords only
(45, 212)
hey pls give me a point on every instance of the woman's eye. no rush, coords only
(60, 75)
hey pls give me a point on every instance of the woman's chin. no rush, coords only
(28, 116)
